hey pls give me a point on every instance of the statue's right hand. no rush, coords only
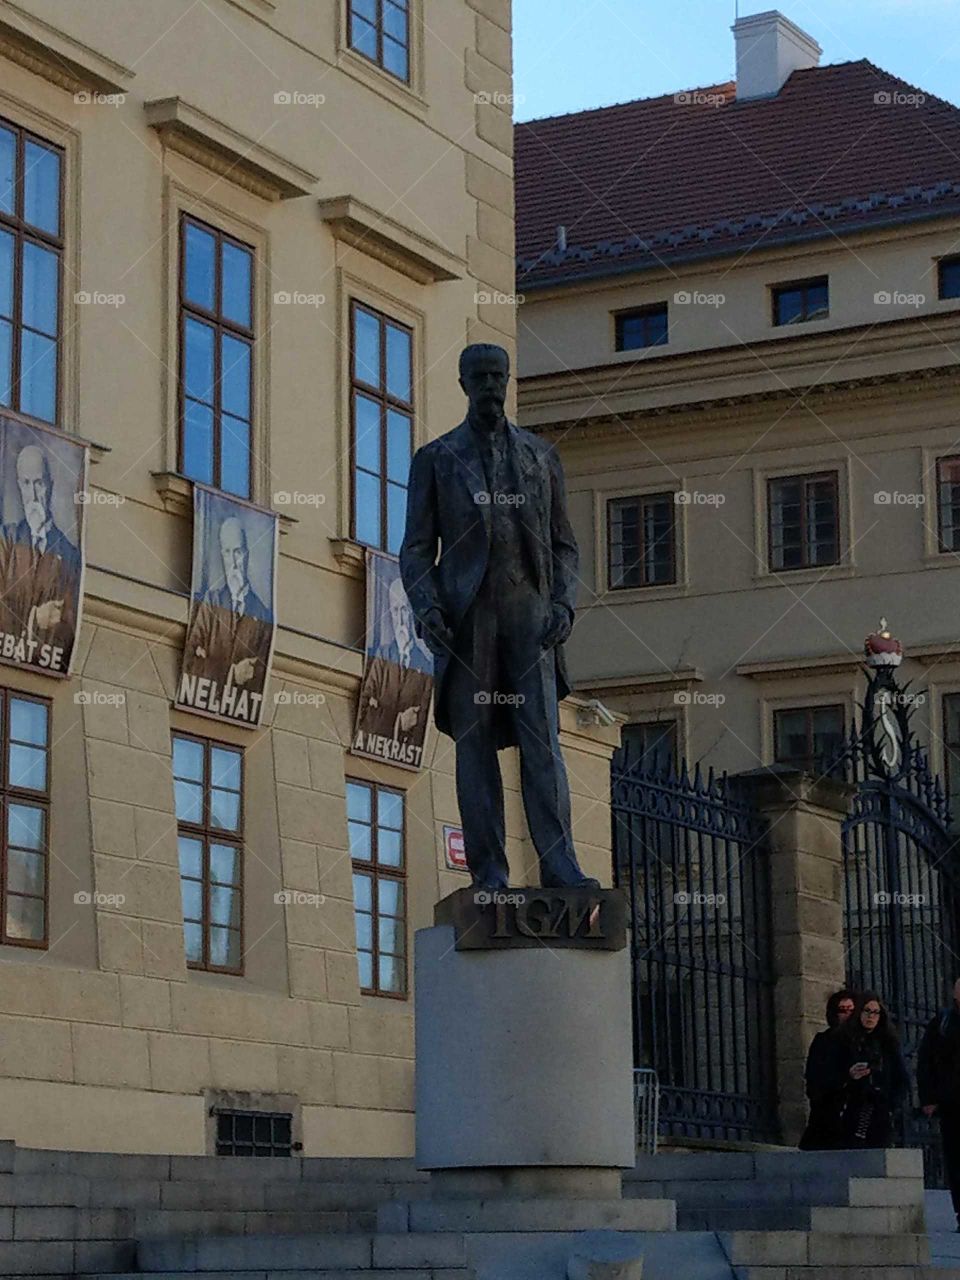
(436, 631)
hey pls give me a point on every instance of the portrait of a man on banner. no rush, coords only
(226, 657)
(397, 684)
(43, 499)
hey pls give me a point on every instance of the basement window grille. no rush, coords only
(254, 1133)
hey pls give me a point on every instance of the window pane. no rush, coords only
(391, 974)
(396, 517)
(366, 345)
(200, 278)
(358, 802)
(188, 798)
(224, 809)
(8, 168)
(188, 759)
(6, 365)
(28, 721)
(367, 433)
(6, 274)
(359, 841)
(394, 58)
(367, 515)
(225, 864)
(193, 943)
(789, 306)
(41, 276)
(390, 897)
(25, 918)
(197, 441)
(191, 895)
(365, 9)
(398, 446)
(363, 37)
(38, 376)
(362, 893)
(237, 276)
(25, 826)
(389, 848)
(198, 360)
(225, 768)
(950, 279)
(41, 188)
(398, 363)
(394, 22)
(191, 857)
(235, 456)
(365, 967)
(390, 809)
(392, 935)
(364, 931)
(225, 906)
(225, 948)
(25, 872)
(28, 767)
(235, 389)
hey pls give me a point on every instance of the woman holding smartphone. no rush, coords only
(870, 1071)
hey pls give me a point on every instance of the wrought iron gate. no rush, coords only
(900, 881)
(691, 855)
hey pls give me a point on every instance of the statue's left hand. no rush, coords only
(558, 628)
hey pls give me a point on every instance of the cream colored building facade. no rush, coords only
(256, 118)
(730, 403)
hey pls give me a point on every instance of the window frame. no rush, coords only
(221, 327)
(222, 1113)
(641, 499)
(942, 548)
(375, 870)
(204, 832)
(24, 795)
(23, 232)
(644, 312)
(378, 26)
(804, 286)
(808, 709)
(951, 751)
(805, 477)
(385, 402)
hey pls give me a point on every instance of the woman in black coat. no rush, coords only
(866, 1064)
(823, 1127)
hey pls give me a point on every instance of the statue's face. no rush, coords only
(485, 383)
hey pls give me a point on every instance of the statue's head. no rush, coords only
(484, 375)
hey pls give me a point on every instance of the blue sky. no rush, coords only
(574, 54)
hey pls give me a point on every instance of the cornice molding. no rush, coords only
(232, 155)
(786, 668)
(176, 494)
(49, 52)
(365, 229)
(652, 681)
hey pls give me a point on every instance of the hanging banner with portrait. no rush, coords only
(394, 704)
(43, 498)
(230, 634)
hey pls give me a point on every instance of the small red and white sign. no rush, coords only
(454, 853)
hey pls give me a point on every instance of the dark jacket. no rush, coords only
(826, 1097)
(888, 1081)
(938, 1060)
(444, 515)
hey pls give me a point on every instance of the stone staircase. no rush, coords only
(770, 1215)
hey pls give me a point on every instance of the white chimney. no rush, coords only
(769, 49)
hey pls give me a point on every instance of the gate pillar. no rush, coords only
(805, 813)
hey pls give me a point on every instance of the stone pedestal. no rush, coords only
(523, 1045)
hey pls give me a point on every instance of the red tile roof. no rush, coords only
(699, 174)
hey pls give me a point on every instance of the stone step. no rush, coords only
(533, 1215)
(827, 1272)
(152, 1224)
(366, 1273)
(710, 1193)
(841, 1220)
(787, 1249)
(302, 1253)
(99, 1164)
(785, 1163)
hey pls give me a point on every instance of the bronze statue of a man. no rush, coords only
(495, 606)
